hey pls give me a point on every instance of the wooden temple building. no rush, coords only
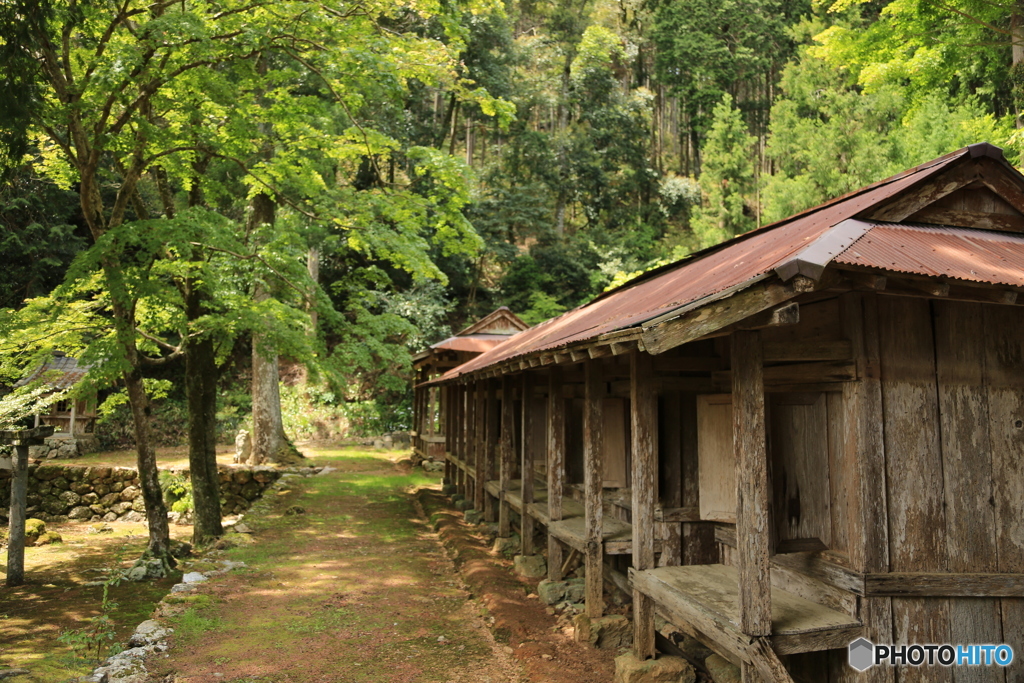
(71, 417)
(428, 433)
(811, 433)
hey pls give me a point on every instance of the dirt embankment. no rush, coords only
(524, 624)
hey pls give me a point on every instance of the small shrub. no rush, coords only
(177, 491)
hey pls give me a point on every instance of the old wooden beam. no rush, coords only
(644, 412)
(593, 478)
(619, 348)
(906, 204)
(808, 351)
(945, 584)
(708, 319)
(753, 509)
(800, 373)
(599, 351)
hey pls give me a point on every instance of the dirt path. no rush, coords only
(355, 588)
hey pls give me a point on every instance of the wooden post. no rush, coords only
(458, 446)
(593, 478)
(493, 421)
(507, 455)
(480, 437)
(753, 511)
(74, 411)
(445, 420)
(644, 406)
(526, 446)
(556, 467)
(470, 441)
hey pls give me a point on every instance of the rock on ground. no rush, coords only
(629, 669)
(606, 633)
(507, 546)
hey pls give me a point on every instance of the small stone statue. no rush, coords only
(243, 446)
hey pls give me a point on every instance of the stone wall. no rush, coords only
(57, 493)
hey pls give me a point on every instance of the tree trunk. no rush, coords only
(201, 375)
(269, 442)
(152, 496)
(1017, 60)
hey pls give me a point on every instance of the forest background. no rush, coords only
(344, 183)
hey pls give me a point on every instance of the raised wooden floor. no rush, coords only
(570, 508)
(705, 598)
(617, 535)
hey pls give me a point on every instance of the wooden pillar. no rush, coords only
(74, 413)
(491, 450)
(556, 467)
(753, 511)
(16, 531)
(480, 436)
(507, 456)
(527, 446)
(469, 441)
(444, 420)
(644, 408)
(593, 479)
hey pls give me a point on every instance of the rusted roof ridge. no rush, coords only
(811, 262)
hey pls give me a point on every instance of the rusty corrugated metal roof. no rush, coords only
(937, 251)
(475, 343)
(743, 260)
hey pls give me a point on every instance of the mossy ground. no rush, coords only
(355, 589)
(55, 599)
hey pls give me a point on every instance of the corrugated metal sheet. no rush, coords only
(475, 343)
(960, 253)
(743, 259)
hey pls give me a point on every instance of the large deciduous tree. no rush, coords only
(160, 115)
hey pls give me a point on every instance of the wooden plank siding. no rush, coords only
(1004, 366)
(917, 520)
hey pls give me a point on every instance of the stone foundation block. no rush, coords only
(507, 546)
(629, 669)
(551, 592)
(530, 566)
(473, 516)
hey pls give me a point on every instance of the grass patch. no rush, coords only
(194, 622)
